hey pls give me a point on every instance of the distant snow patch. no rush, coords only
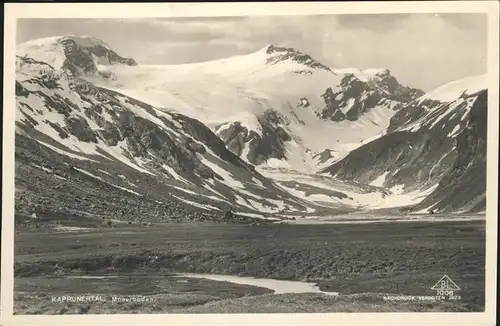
(61, 228)
(350, 103)
(379, 182)
(100, 179)
(42, 168)
(117, 153)
(63, 152)
(260, 207)
(454, 131)
(128, 190)
(174, 174)
(275, 163)
(198, 194)
(402, 199)
(259, 216)
(192, 203)
(227, 176)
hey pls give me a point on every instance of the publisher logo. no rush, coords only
(445, 291)
(445, 287)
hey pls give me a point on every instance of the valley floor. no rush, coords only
(364, 263)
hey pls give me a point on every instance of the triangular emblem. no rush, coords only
(446, 284)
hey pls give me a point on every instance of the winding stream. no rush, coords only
(278, 286)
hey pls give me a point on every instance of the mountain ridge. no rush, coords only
(229, 125)
(424, 149)
(84, 139)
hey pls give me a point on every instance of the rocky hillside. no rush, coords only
(78, 146)
(463, 187)
(435, 147)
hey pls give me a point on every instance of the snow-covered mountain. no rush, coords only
(95, 130)
(77, 132)
(86, 150)
(436, 145)
(272, 106)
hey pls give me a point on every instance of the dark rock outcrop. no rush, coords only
(270, 143)
(81, 59)
(353, 97)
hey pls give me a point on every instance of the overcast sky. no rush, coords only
(423, 50)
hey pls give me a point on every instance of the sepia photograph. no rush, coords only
(251, 164)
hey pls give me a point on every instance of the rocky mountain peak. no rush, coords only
(90, 58)
(79, 55)
(281, 54)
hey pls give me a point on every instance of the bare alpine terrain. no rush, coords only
(354, 267)
(261, 182)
